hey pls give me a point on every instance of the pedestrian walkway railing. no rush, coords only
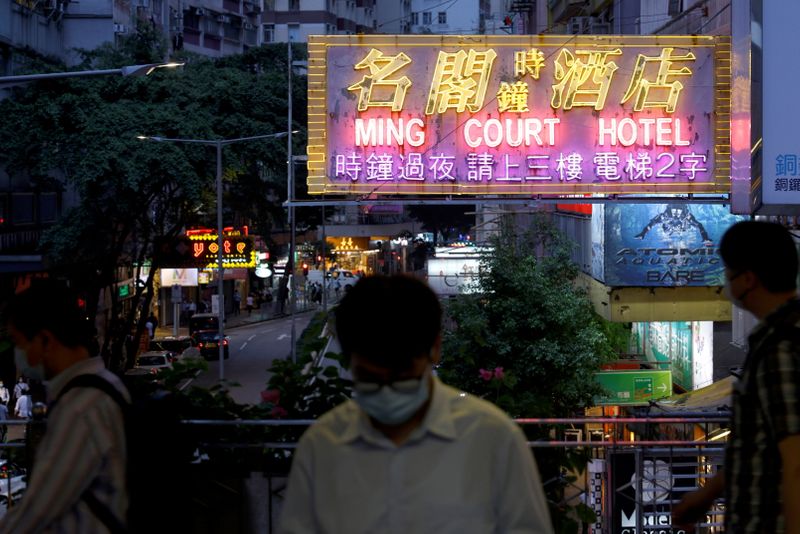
(637, 468)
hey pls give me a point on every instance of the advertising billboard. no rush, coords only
(683, 347)
(518, 115)
(665, 245)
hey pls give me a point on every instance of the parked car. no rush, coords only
(175, 346)
(151, 362)
(13, 481)
(208, 343)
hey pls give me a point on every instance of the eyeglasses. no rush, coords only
(407, 385)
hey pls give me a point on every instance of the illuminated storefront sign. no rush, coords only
(237, 251)
(548, 115)
(663, 245)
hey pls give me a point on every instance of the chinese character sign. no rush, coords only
(546, 115)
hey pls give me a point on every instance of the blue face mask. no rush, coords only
(392, 407)
(21, 359)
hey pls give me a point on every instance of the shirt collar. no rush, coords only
(438, 420)
(83, 367)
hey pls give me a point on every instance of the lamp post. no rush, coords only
(217, 144)
(130, 70)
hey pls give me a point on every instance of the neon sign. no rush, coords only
(237, 251)
(549, 115)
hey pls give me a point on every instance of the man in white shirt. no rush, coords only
(24, 407)
(408, 454)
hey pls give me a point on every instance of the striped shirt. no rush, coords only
(83, 448)
(766, 409)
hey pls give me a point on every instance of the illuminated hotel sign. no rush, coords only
(550, 115)
(237, 251)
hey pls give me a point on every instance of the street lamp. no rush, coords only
(130, 70)
(218, 144)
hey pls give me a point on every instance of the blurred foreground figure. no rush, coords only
(761, 477)
(408, 453)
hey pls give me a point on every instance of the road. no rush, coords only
(253, 347)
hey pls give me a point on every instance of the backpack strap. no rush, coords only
(100, 510)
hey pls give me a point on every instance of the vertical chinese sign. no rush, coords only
(519, 115)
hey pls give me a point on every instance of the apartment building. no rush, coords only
(295, 20)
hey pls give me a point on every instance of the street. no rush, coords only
(253, 347)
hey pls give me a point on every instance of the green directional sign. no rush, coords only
(633, 387)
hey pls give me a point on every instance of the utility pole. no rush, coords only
(290, 196)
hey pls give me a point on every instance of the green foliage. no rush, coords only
(529, 320)
(79, 135)
(529, 341)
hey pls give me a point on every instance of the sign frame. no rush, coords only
(318, 113)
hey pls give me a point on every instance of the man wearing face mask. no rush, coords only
(408, 454)
(761, 477)
(80, 461)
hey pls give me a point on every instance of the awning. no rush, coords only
(713, 398)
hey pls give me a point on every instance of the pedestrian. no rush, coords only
(249, 303)
(408, 453)
(761, 476)
(4, 395)
(80, 474)
(24, 406)
(3, 426)
(151, 324)
(20, 387)
(237, 302)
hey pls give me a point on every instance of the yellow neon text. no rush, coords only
(460, 81)
(380, 67)
(641, 87)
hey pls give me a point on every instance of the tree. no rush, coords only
(79, 135)
(529, 341)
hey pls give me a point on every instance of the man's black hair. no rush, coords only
(767, 249)
(50, 305)
(389, 321)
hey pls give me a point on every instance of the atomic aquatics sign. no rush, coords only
(519, 115)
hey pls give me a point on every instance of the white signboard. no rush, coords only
(178, 277)
(781, 77)
(453, 275)
(702, 353)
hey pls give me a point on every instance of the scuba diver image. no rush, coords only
(675, 220)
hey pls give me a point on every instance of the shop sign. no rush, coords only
(633, 387)
(178, 277)
(348, 244)
(453, 275)
(664, 245)
(535, 114)
(237, 251)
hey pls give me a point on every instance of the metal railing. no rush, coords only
(637, 467)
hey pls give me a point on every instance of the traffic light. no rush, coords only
(305, 269)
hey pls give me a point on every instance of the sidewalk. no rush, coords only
(265, 313)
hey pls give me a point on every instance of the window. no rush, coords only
(442, 17)
(294, 33)
(426, 17)
(48, 207)
(269, 33)
(294, 5)
(22, 208)
(414, 18)
(674, 8)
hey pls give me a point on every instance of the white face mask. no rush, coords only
(392, 407)
(728, 292)
(21, 360)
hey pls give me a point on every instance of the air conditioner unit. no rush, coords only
(200, 11)
(175, 29)
(119, 28)
(247, 26)
(223, 18)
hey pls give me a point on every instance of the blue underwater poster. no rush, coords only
(665, 245)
